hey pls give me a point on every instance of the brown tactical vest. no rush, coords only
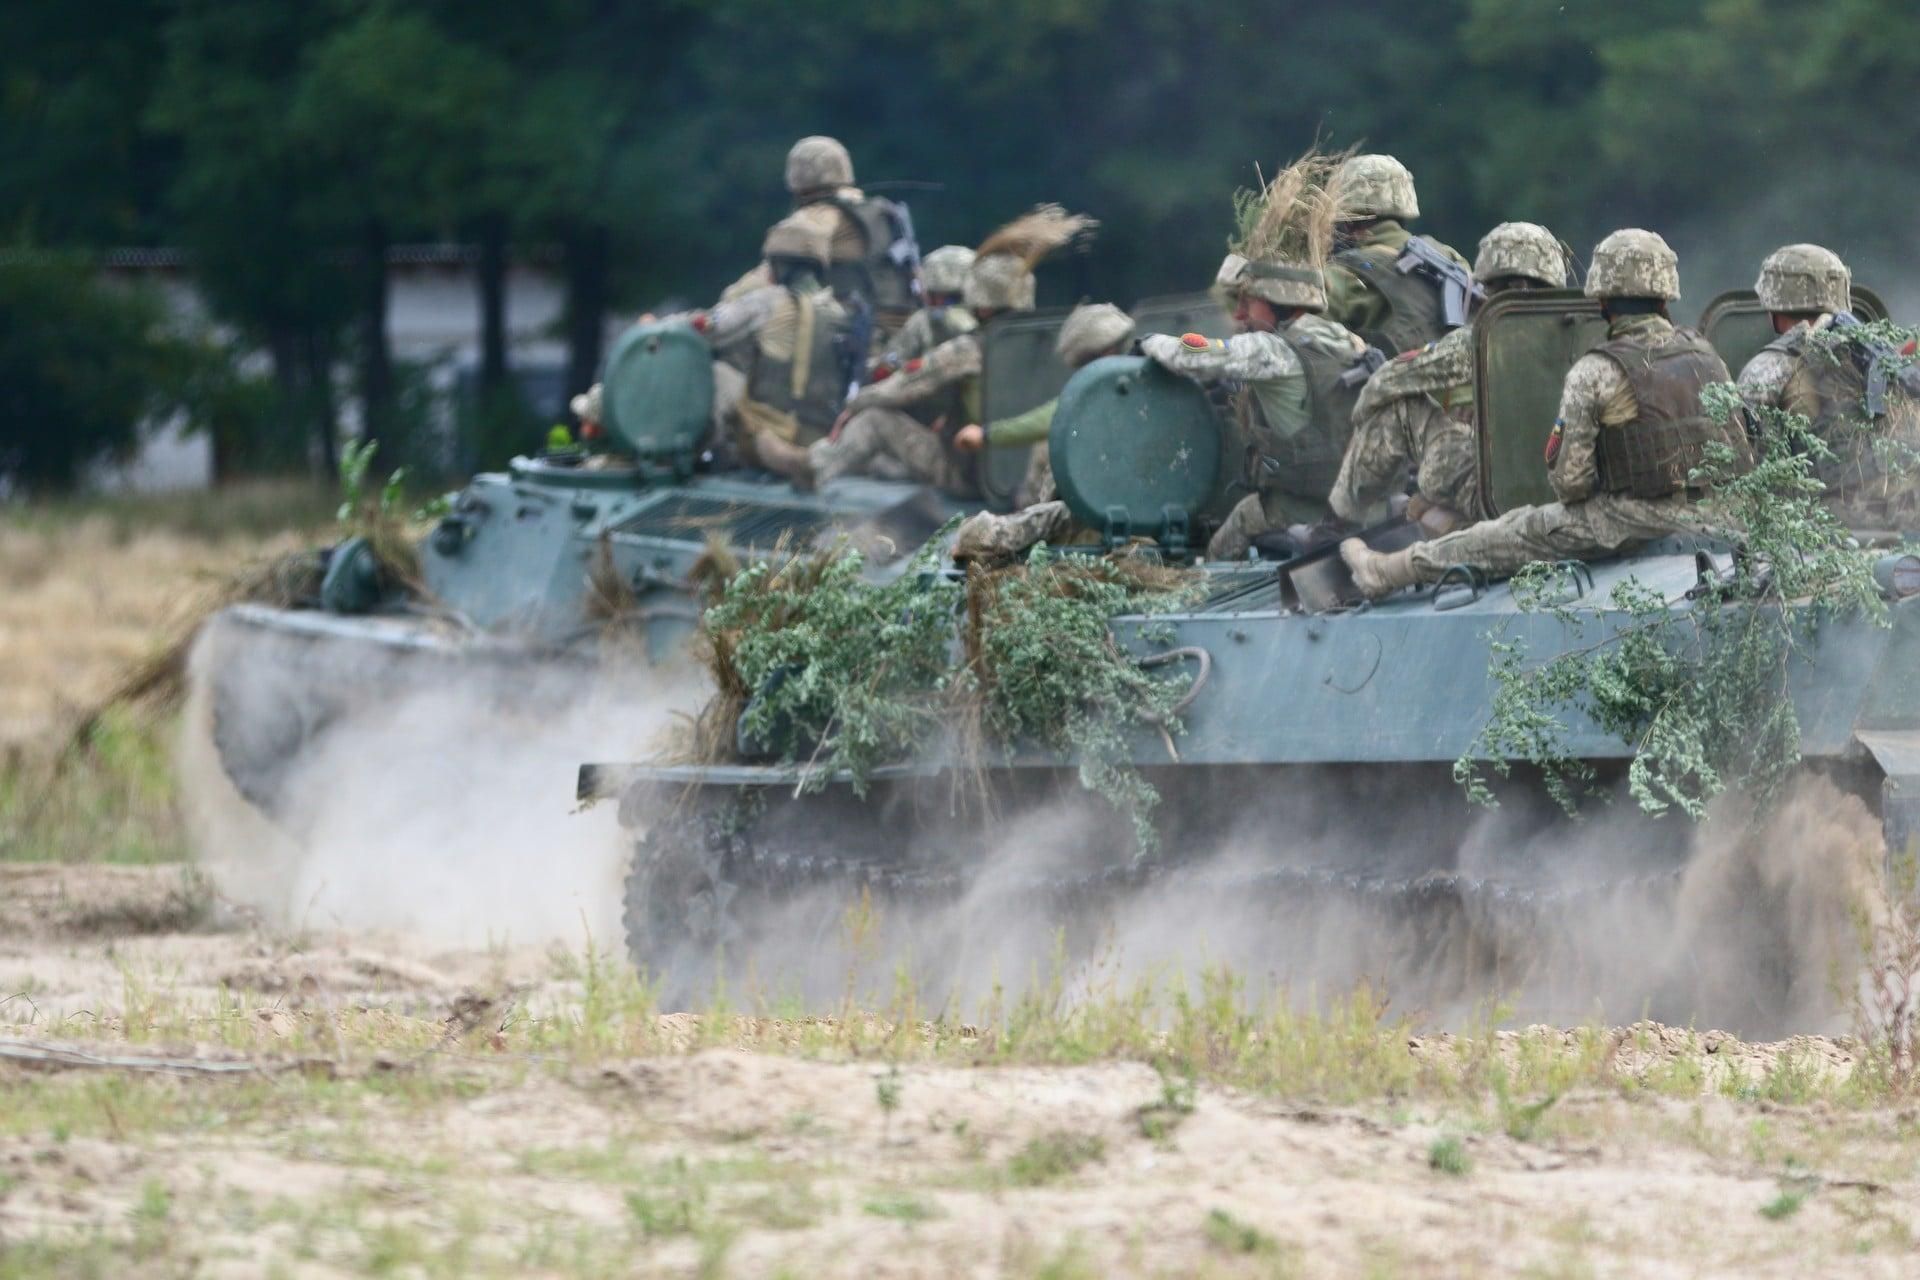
(1654, 455)
(1304, 464)
(1829, 389)
(876, 275)
(811, 386)
(1416, 312)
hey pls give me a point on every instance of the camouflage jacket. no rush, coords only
(947, 383)
(1594, 394)
(1415, 412)
(927, 328)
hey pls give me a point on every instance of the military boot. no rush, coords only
(783, 457)
(1378, 573)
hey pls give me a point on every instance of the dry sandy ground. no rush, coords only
(447, 1154)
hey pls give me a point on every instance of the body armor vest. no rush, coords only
(810, 386)
(1416, 313)
(1306, 463)
(883, 274)
(1829, 389)
(1654, 455)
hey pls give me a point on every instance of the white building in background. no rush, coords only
(433, 321)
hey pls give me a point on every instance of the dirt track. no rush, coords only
(409, 1134)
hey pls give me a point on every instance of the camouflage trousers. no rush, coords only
(1603, 525)
(1038, 486)
(986, 536)
(1410, 435)
(888, 444)
(1259, 513)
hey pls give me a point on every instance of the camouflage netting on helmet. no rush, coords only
(1284, 234)
(1634, 264)
(1376, 186)
(1522, 249)
(818, 163)
(797, 237)
(1092, 328)
(1804, 278)
(945, 269)
(1001, 277)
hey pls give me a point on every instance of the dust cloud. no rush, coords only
(438, 802)
(442, 807)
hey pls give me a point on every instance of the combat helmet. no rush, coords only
(1804, 278)
(1521, 249)
(1376, 186)
(945, 269)
(1284, 234)
(818, 163)
(1001, 277)
(797, 236)
(1091, 328)
(1633, 264)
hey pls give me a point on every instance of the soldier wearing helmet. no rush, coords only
(1416, 415)
(1819, 371)
(784, 352)
(1293, 372)
(899, 429)
(1092, 330)
(871, 254)
(1624, 453)
(1389, 294)
(942, 315)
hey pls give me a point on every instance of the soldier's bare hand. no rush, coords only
(970, 437)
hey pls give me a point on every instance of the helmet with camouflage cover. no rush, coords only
(1091, 328)
(1376, 186)
(818, 163)
(1226, 281)
(797, 237)
(1001, 277)
(945, 269)
(1521, 249)
(1804, 278)
(1633, 264)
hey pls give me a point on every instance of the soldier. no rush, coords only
(1631, 431)
(943, 277)
(879, 435)
(1294, 373)
(1093, 330)
(1417, 412)
(791, 342)
(1819, 371)
(1381, 284)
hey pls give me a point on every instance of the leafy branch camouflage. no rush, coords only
(1696, 684)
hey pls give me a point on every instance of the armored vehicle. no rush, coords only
(1309, 712)
(525, 564)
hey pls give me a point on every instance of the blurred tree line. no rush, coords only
(284, 147)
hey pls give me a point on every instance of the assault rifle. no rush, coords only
(1458, 289)
(905, 249)
(852, 343)
(1883, 363)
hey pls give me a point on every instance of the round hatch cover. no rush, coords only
(1134, 446)
(658, 389)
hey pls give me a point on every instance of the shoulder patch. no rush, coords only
(1553, 439)
(1196, 341)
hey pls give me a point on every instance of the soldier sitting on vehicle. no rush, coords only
(879, 434)
(1093, 330)
(1397, 290)
(1294, 373)
(1819, 367)
(942, 315)
(870, 264)
(1621, 456)
(1416, 414)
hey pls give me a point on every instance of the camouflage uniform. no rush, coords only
(884, 440)
(943, 273)
(1271, 374)
(1812, 371)
(1598, 514)
(1362, 281)
(1417, 412)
